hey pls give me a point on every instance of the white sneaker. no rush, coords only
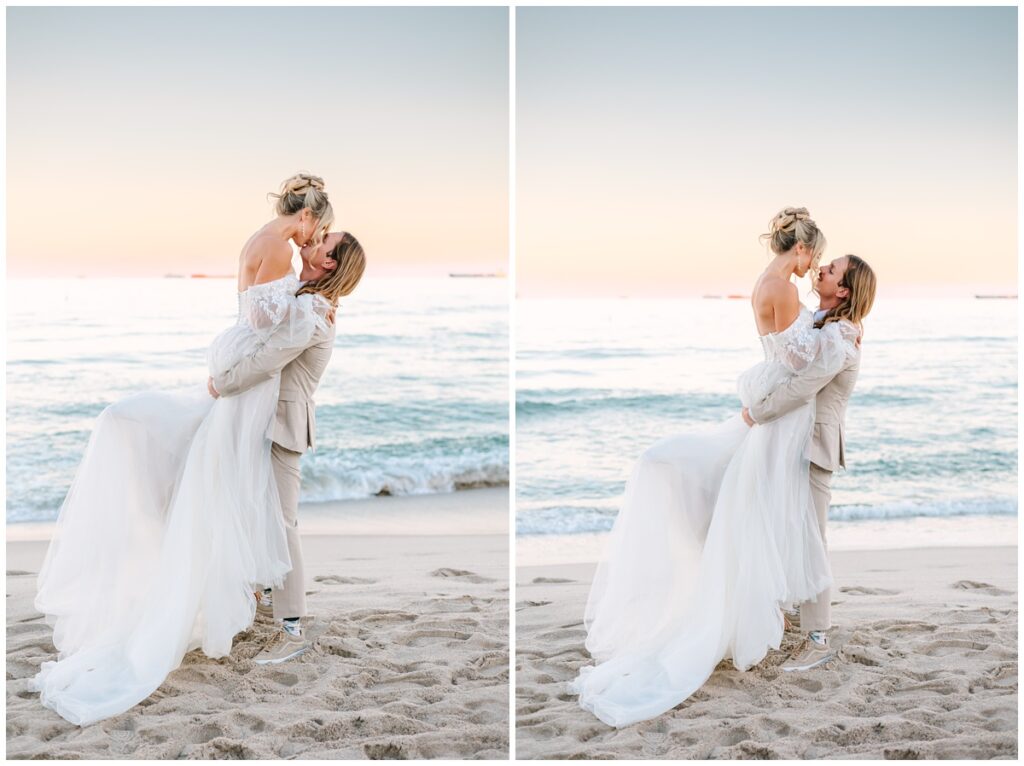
(811, 654)
(265, 604)
(283, 647)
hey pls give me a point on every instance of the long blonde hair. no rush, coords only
(304, 190)
(790, 226)
(860, 281)
(342, 280)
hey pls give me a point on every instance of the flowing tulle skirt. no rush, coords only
(715, 534)
(172, 520)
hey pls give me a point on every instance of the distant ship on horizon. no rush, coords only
(199, 276)
(477, 274)
(1000, 297)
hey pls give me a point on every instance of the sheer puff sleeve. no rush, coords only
(834, 346)
(270, 316)
(281, 319)
(804, 350)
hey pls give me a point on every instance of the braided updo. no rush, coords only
(301, 191)
(790, 226)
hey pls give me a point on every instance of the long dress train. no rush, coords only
(716, 532)
(172, 520)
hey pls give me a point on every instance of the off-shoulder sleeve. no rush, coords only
(283, 320)
(835, 346)
(797, 347)
(808, 351)
(272, 318)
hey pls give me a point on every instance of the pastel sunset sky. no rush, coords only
(143, 141)
(654, 144)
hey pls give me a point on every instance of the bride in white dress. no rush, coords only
(173, 518)
(717, 531)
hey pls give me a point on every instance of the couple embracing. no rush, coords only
(721, 533)
(182, 515)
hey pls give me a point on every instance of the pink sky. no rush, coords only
(143, 141)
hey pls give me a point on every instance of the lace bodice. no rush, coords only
(266, 304)
(800, 349)
(795, 346)
(269, 314)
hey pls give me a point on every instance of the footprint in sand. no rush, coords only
(807, 684)
(947, 646)
(42, 642)
(284, 679)
(457, 604)
(26, 627)
(551, 580)
(253, 723)
(205, 733)
(860, 590)
(422, 637)
(527, 604)
(490, 660)
(385, 752)
(984, 587)
(902, 754)
(339, 647)
(861, 655)
(378, 616)
(939, 686)
(460, 574)
(904, 626)
(424, 678)
(339, 580)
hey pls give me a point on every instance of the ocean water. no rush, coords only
(415, 399)
(931, 428)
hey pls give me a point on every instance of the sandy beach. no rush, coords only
(409, 660)
(927, 668)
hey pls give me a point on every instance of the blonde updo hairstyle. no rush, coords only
(793, 225)
(303, 190)
(341, 280)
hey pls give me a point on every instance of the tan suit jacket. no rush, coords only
(833, 394)
(294, 426)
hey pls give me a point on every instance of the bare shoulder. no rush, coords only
(779, 288)
(775, 292)
(776, 303)
(268, 258)
(264, 246)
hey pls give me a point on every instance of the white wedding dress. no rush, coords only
(716, 532)
(171, 522)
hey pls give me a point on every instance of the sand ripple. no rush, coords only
(926, 668)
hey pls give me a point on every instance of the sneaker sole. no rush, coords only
(811, 666)
(278, 661)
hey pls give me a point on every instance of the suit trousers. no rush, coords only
(817, 614)
(290, 599)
